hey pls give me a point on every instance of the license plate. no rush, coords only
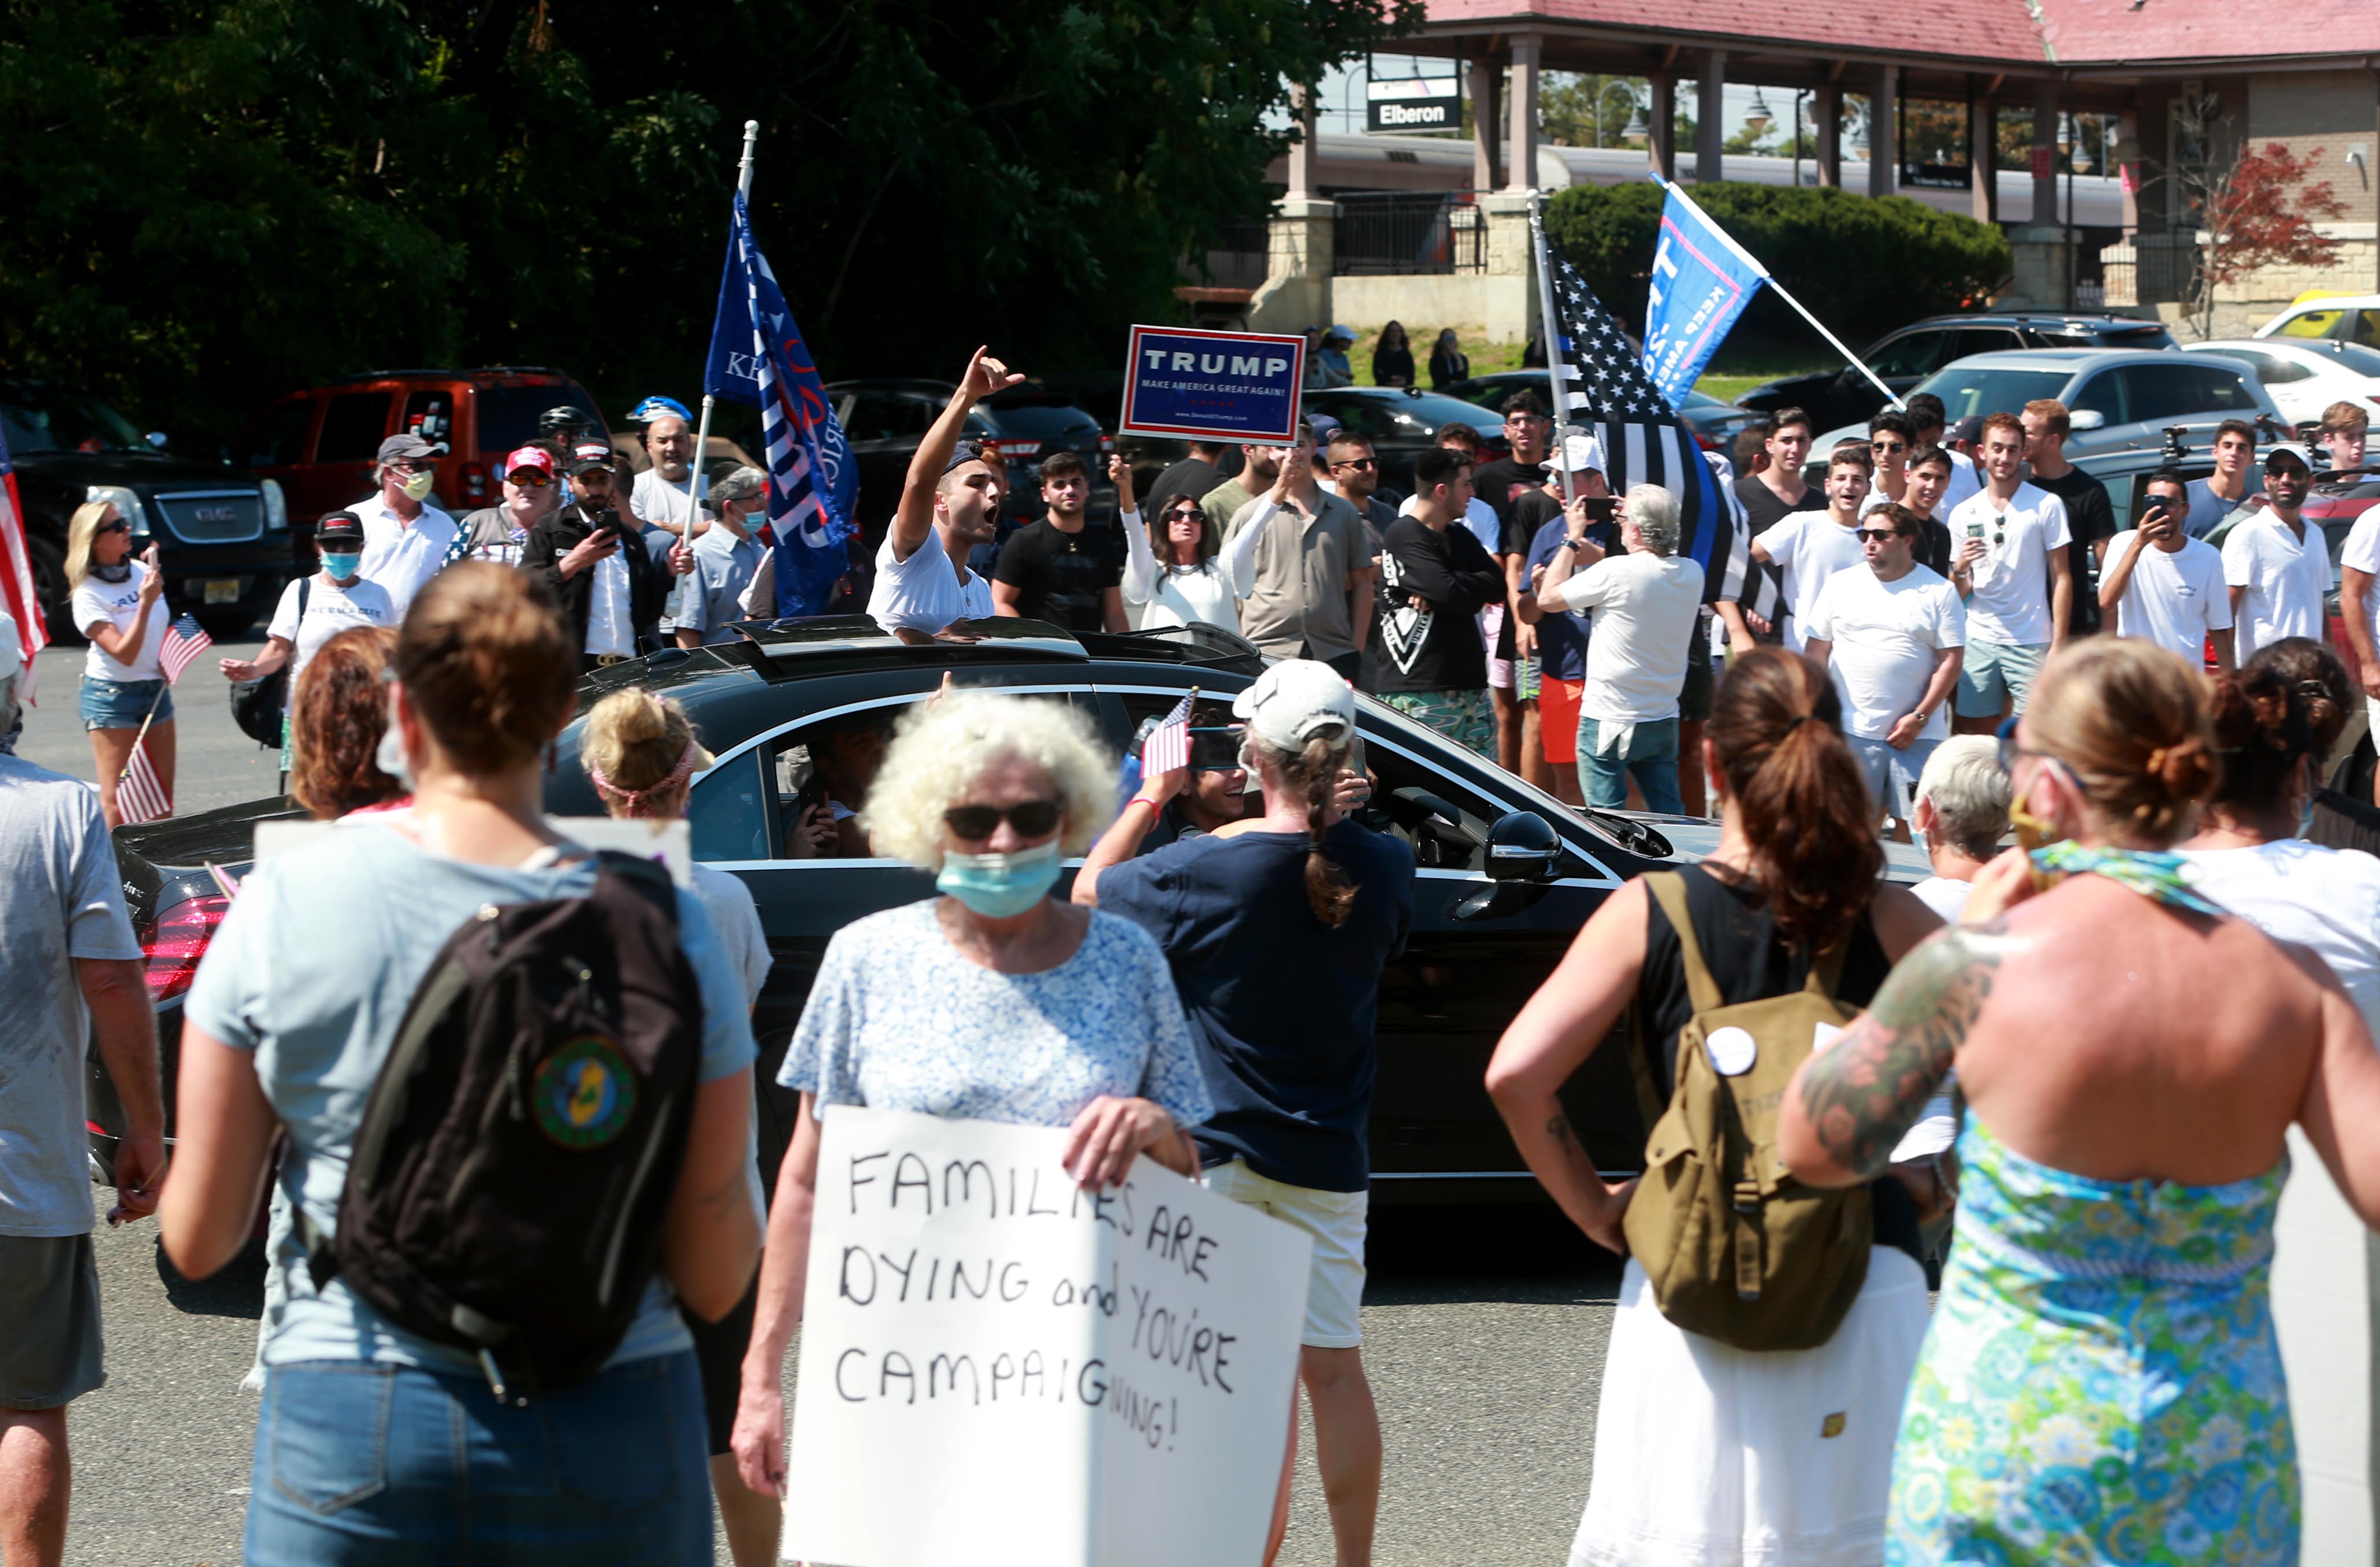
(221, 592)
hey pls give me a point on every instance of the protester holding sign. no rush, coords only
(1277, 936)
(1185, 580)
(990, 1002)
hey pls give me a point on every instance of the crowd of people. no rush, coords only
(1956, 644)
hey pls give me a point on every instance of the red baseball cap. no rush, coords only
(537, 457)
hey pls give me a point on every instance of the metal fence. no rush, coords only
(1403, 233)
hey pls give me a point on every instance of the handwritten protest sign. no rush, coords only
(1190, 383)
(998, 1367)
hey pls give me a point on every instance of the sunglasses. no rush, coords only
(1357, 462)
(1186, 514)
(1032, 819)
(529, 478)
(118, 526)
(1878, 534)
(1887, 446)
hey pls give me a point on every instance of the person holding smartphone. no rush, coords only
(2163, 586)
(609, 597)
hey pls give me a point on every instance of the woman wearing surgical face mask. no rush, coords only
(312, 611)
(993, 1001)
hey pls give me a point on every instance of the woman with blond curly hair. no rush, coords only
(993, 1001)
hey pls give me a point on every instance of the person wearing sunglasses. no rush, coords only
(2132, 1060)
(497, 533)
(1183, 578)
(1890, 440)
(991, 1001)
(407, 539)
(1890, 636)
(117, 605)
(2011, 538)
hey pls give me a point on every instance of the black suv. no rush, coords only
(884, 420)
(1488, 926)
(222, 537)
(1903, 358)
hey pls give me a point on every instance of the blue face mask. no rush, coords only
(1001, 886)
(341, 567)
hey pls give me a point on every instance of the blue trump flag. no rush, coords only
(757, 359)
(1702, 280)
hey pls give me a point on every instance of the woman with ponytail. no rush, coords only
(2101, 1382)
(1278, 929)
(1802, 1438)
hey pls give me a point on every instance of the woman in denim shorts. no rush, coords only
(115, 605)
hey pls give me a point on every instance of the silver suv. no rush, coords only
(2122, 402)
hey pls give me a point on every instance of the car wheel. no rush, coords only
(227, 628)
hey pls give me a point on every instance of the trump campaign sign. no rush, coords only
(1191, 385)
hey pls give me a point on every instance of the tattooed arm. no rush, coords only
(1851, 1103)
(1561, 1026)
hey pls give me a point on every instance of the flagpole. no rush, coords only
(1769, 278)
(1553, 344)
(699, 490)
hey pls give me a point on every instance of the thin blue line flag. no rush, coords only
(1702, 280)
(757, 359)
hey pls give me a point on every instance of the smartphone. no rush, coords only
(1602, 508)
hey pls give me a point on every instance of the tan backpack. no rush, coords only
(1735, 1248)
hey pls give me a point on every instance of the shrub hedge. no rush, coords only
(1863, 264)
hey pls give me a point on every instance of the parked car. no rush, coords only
(885, 420)
(2305, 375)
(1714, 423)
(2122, 405)
(1488, 927)
(223, 537)
(319, 443)
(2342, 318)
(1401, 422)
(1904, 358)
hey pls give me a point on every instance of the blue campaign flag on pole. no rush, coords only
(1702, 280)
(757, 359)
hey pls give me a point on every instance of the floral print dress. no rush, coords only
(2101, 1382)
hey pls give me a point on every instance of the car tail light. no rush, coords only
(176, 942)
(1015, 450)
(1107, 445)
(475, 481)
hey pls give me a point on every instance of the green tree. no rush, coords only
(212, 200)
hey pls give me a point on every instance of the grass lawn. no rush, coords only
(1487, 358)
(1728, 388)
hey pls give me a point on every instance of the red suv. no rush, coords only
(320, 443)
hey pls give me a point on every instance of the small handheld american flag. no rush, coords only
(1168, 746)
(184, 642)
(140, 794)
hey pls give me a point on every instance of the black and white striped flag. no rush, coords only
(1644, 441)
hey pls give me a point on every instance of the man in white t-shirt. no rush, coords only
(2276, 564)
(662, 496)
(950, 503)
(2160, 585)
(1890, 637)
(2227, 489)
(406, 540)
(1810, 547)
(2010, 538)
(2359, 608)
(1645, 603)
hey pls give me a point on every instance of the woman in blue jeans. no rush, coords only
(375, 1446)
(116, 605)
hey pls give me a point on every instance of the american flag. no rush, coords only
(1644, 440)
(139, 796)
(18, 595)
(1168, 746)
(183, 643)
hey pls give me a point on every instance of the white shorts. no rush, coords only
(1334, 1288)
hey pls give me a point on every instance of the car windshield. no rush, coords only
(1043, 415)
(49, 419)
(1974, 389)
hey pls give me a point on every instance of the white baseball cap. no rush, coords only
(1295, 701)
(1579, 453)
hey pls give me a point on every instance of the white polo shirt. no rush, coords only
(2285, 575)
(402, 557)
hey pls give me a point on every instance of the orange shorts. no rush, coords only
(1558, 718)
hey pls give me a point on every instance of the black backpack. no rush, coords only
(522, 1142)
(256, 705)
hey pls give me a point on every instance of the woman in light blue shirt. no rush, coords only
(374, 1445)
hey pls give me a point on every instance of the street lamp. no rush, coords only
(1759, 119)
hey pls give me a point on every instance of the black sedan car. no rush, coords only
(223, 538)
(1714, 423)
(1400, 422)
(1494, 911)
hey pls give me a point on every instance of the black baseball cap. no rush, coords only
(339, 528)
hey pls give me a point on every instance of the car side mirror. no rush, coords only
(1521, 846)
(2086, 419)
(157, 437)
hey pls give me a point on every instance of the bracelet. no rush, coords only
(1144, 800)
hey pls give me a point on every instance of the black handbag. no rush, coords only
(256, 705)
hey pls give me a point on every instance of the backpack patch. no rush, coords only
(585, 1094)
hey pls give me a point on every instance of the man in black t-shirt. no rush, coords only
(1509, 477)
(1194, 475)
(1434, 578)
(2090, 516)
(1060, 569)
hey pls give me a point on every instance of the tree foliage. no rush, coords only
(1862, 264)
(2259, 212)
(212, 201)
